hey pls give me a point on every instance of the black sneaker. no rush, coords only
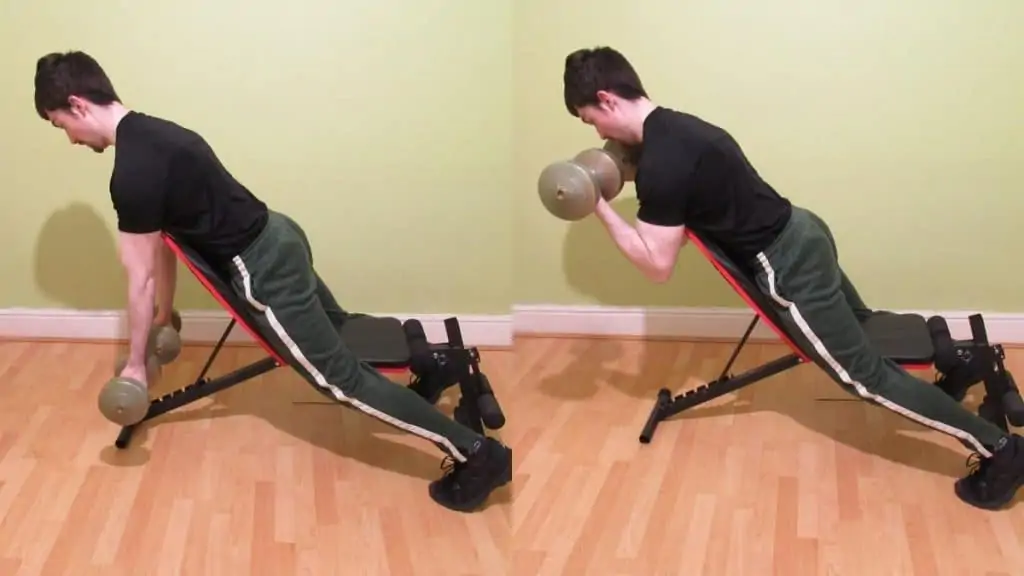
(991, 483)
(467, 485)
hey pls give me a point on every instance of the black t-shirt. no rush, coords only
(167, 178)
(692, 173)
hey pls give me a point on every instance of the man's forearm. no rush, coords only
(141, 291)
(166, 281)
(627, 239)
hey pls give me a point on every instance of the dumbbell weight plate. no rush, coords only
(603, 169)
(624, 157)
(165, 344)
(123, 401)
(567, 190)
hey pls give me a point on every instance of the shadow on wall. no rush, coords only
(77, 264)
(594, 266)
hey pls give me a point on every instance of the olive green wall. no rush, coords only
(902, 123)
(371, 123)
(384, 128)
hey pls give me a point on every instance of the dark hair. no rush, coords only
(60, 76)
(589, 70)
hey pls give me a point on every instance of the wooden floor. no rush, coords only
(266, 479)
(787, 477)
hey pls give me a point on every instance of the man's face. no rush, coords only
(608, 118)
(80, 127)
(604, 121)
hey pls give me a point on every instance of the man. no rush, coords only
(167, 179)
(690, 173)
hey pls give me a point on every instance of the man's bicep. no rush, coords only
(139, 214)
(661, 216)
(137, 191)
(662, 195)
(663, 242)
(139, 252)
(660, 210)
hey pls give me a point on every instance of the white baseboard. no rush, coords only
(710, 323)
(207, 326)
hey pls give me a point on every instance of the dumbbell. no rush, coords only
(125, 401)
(569, 189)
(165, 341)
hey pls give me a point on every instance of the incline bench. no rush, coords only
(385, 343)
(907, 339)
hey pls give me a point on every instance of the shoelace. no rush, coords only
(456, 473)
(448, 465)
(451, 468)
(975, 464)
(977, 471)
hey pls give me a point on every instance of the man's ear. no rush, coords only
(77, 105)
(605, 99)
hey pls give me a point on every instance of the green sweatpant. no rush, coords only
(275, 275)
(800, 274)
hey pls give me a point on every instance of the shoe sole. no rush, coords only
(994, 505)
(499, 480)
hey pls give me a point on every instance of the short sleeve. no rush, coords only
(137, 192)
(662, 193)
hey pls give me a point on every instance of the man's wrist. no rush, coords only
(136, 359)
(161, 317)
(603, 211)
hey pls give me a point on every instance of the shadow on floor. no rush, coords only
(286, 402)
(803, 393)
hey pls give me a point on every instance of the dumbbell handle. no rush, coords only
(153, 368)
(175, 320)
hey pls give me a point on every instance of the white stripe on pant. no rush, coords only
(321, 381)
(845, 377)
